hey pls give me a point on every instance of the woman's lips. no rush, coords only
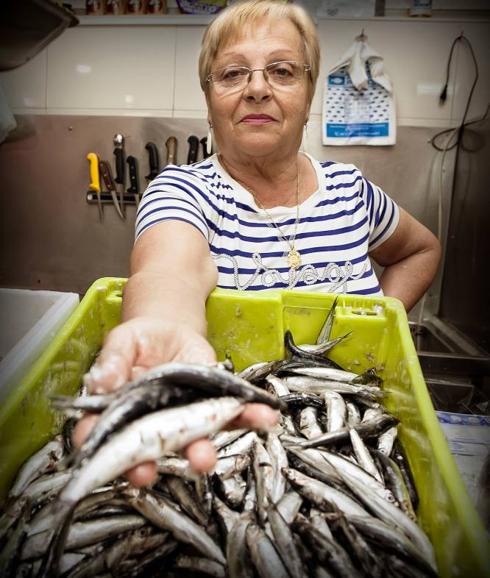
(257, 119)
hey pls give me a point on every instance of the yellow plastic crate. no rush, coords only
(250, 327)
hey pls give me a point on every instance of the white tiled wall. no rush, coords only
(152, 70)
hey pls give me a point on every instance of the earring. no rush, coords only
(304, 141)
(209, 142)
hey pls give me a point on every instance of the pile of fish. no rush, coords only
(327, 493)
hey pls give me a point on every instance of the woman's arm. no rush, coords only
(410, 257)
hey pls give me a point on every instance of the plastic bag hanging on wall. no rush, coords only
(358, 101)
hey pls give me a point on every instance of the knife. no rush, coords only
(105, 171)
(134, 188)
(205, 152)
(171, 145)
(193, 149)
(94, 185)
(120, 177)
(153, 160)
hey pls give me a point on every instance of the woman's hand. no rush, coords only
(138, 345)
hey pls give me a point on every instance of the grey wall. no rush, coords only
(466, 289)
(51, 238)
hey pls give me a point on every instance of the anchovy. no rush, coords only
(363, 456)
(283, 540)
(226, 516)
(386, 441)
(363, 429)
(88, 403)
(353, 414)
(43, 461)
(210, 380)
(224, 438)
(299, 354)
(10, 551)
(301, 383)
(264, 478)
(392, 515)
(277, 385)
(392, 538)
(234, 490)
(326, 329)
(396, 483)
(279, 460)
(200, 565)
(183, 495)
(345, 467)
(264, 556)
(231, 465)
(159, 511)
(175, 467)
(238, 560)
(289, 505)
(258, 371)
(82, 534)
(308, 423)
(325, 347)
(336, 410)
(302, 399)
(145, 439)
(322, 495)
(243, 445)
(328, 551)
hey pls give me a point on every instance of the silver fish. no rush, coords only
(200, 565)
(43, 461)
(321, 494)
(308, 423)
(264, 556)
(363, 456)
(336, 410)
(239, 565)
(159, 511)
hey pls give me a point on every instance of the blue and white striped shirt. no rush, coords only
(338, 224)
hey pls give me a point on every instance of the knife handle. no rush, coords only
(193, 149)
(153, 160)
(133, 175)
(171, 145)
(119, 154)
(94, 185)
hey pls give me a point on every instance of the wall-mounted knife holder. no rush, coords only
(106, 199)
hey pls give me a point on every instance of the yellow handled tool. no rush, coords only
(94, 185)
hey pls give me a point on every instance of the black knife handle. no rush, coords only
(205, 152)
(153, 160)
(193, 149)
(133, 175)
(119, 154)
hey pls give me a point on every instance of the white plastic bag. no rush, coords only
(358, 103)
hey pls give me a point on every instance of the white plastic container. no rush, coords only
(29, 320)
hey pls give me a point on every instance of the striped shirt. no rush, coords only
(338, 224)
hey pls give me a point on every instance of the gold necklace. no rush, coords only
(293, 257)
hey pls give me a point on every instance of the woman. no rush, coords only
(260, 214)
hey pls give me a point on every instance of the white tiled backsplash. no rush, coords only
(152, 70)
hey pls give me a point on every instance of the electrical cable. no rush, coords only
(443, 97)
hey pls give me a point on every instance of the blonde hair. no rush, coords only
(229, 25)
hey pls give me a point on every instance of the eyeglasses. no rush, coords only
(283, 74)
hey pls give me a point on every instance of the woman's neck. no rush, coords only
(271, 185)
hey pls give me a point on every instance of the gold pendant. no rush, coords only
(294, 258)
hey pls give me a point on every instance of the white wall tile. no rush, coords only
(188, 93)
(112, 68)
(25, 87)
